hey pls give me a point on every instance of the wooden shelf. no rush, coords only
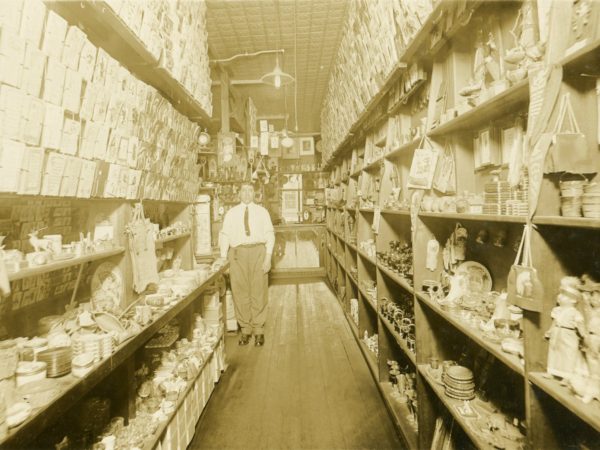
(107, 30)
(173, 238)
(475, 335)
(476, 217)
(352, 246)
(399, 280)
(584, 60)
(353, 326)
(356, 174)
(373, 165)
(401, 342)
(394, 153)
(400, 414)
(72, 389)
(590, 412)
(354, 280)
(368, 298)
(367, 257)
(152, 441)
(404, 99)
(367, 210)
(395, 212)
(506, 102)
(451, 404)
(370, 357)
(572, 222)
(57, 265)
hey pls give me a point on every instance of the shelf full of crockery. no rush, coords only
(71, 389)
(589, 412)
(63, 263)
(401, 342)
(470, 425)
(493, 108)
(400, 413)
(151, 441)
(106, 29)
(510, 360)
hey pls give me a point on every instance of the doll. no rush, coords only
(564, 356)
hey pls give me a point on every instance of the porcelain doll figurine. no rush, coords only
(564, 356)
(588, 386)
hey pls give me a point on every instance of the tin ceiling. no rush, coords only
(247, 26)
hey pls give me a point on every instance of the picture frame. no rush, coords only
(306, 146)
(422, 168)
(486, 148)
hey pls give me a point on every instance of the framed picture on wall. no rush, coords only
(307, 146)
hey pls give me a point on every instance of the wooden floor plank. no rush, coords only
(307, 388)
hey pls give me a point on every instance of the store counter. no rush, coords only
(299, 249)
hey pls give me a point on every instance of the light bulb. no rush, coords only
(277, 81)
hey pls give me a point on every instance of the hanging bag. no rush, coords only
(142, 250)
(569, 151)
(523, 285)
(444, 179)
(422, 167)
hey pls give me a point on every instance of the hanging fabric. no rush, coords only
(569, 151)
(142, 250)
(523, 285)
(444, 179)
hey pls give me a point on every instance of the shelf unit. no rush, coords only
(72, 389)
(107, 31)
(549, 411)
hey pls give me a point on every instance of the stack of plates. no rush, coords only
(459, 383)
(46, 324)
(106, 345)
(58, 361)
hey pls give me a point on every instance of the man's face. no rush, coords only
(246, 194)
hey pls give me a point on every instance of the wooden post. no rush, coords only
(225, 113)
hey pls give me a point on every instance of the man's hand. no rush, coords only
(218, 263)
(267, 264)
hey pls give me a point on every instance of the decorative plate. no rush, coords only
(107, 285)
(477, 278)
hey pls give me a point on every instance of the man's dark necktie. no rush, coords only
(246, 222)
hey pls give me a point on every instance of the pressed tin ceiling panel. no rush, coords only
(239, 26)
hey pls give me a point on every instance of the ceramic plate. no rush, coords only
(107, 282)
(478, 278)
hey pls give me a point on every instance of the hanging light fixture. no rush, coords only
(277, 77)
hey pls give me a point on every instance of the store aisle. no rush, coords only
(307, 388)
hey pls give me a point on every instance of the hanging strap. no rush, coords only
(572, 119)
(566, 111)
(525, 248)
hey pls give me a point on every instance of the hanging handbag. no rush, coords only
(523, 286)
(422, 168)
(569, 151)
(444, 179)
(142, 250)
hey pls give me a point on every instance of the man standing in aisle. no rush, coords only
(247, 240)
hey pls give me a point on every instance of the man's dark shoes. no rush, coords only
(259, 340)
(244, 339)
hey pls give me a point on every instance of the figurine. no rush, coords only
(564, 356)
(484, 64)
(588, 386)
(39, 245)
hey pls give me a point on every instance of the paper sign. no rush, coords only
(264, 143)
(53, 172)
(11, 161)
(87, 60)
(34, 65)
(86, 179)
(54, 36)
(32, 21)
(12, 55)
(31, 171)
(54, 81)
(53, 125)
(72, 91)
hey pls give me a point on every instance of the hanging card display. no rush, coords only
(523, 284)
(142, 250)
(444, 179)
(422, 168)
(569, 151)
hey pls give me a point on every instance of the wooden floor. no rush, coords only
(307, 388)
